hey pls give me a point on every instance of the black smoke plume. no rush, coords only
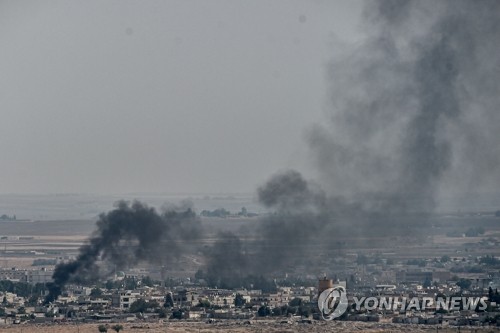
(301, 213)
(125, 236)
(288, 191)
(414, 116)
(227, 261)
(414, 108)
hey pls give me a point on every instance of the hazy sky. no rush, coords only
(161, 96)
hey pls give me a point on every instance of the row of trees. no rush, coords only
(23, 289)
(221, 212)
(471, 232)
(295, 307)
(235, 281)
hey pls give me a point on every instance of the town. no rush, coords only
(443, 273)
(139, 296)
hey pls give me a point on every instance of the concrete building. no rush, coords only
(123, 299)
(186, 298)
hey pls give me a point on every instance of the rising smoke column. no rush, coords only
(414, 115)
(301, 215)
(414, 108)
(301, 211)
(125, 236)
(227, 262)
(288, 191)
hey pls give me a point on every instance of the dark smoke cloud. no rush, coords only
(415, 107)
(227, 262)
(288, 191)
(414, 115)
(302, 212)
(125, 236)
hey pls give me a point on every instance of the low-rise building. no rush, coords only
(124, 299)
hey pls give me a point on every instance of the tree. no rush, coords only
(277, 312)
(239, 300)
(162, 313)
(264, 311)
(243, 212)
(464, 284)
(304, 311)
(427, 282)
(117, 328)
(96, 292)
(474, 232)
(445, 258)
(177, 314)
(147, 281)
(489, 260)
(204, 303)
(494, 296)
(295, 302)
(139, 306)
(291, 310)
(102, 328)
(153, 304)
(129, 283)
(169, 301)
(110, 285)
(219, 212)
(199, 275)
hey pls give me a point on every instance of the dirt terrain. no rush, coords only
(241, 327)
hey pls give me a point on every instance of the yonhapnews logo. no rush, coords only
(332, 302)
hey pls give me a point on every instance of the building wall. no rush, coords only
(124, 300)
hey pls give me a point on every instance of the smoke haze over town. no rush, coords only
(235, 160)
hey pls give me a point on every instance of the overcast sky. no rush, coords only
(162, 96)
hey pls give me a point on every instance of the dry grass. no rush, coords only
(237, 327)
